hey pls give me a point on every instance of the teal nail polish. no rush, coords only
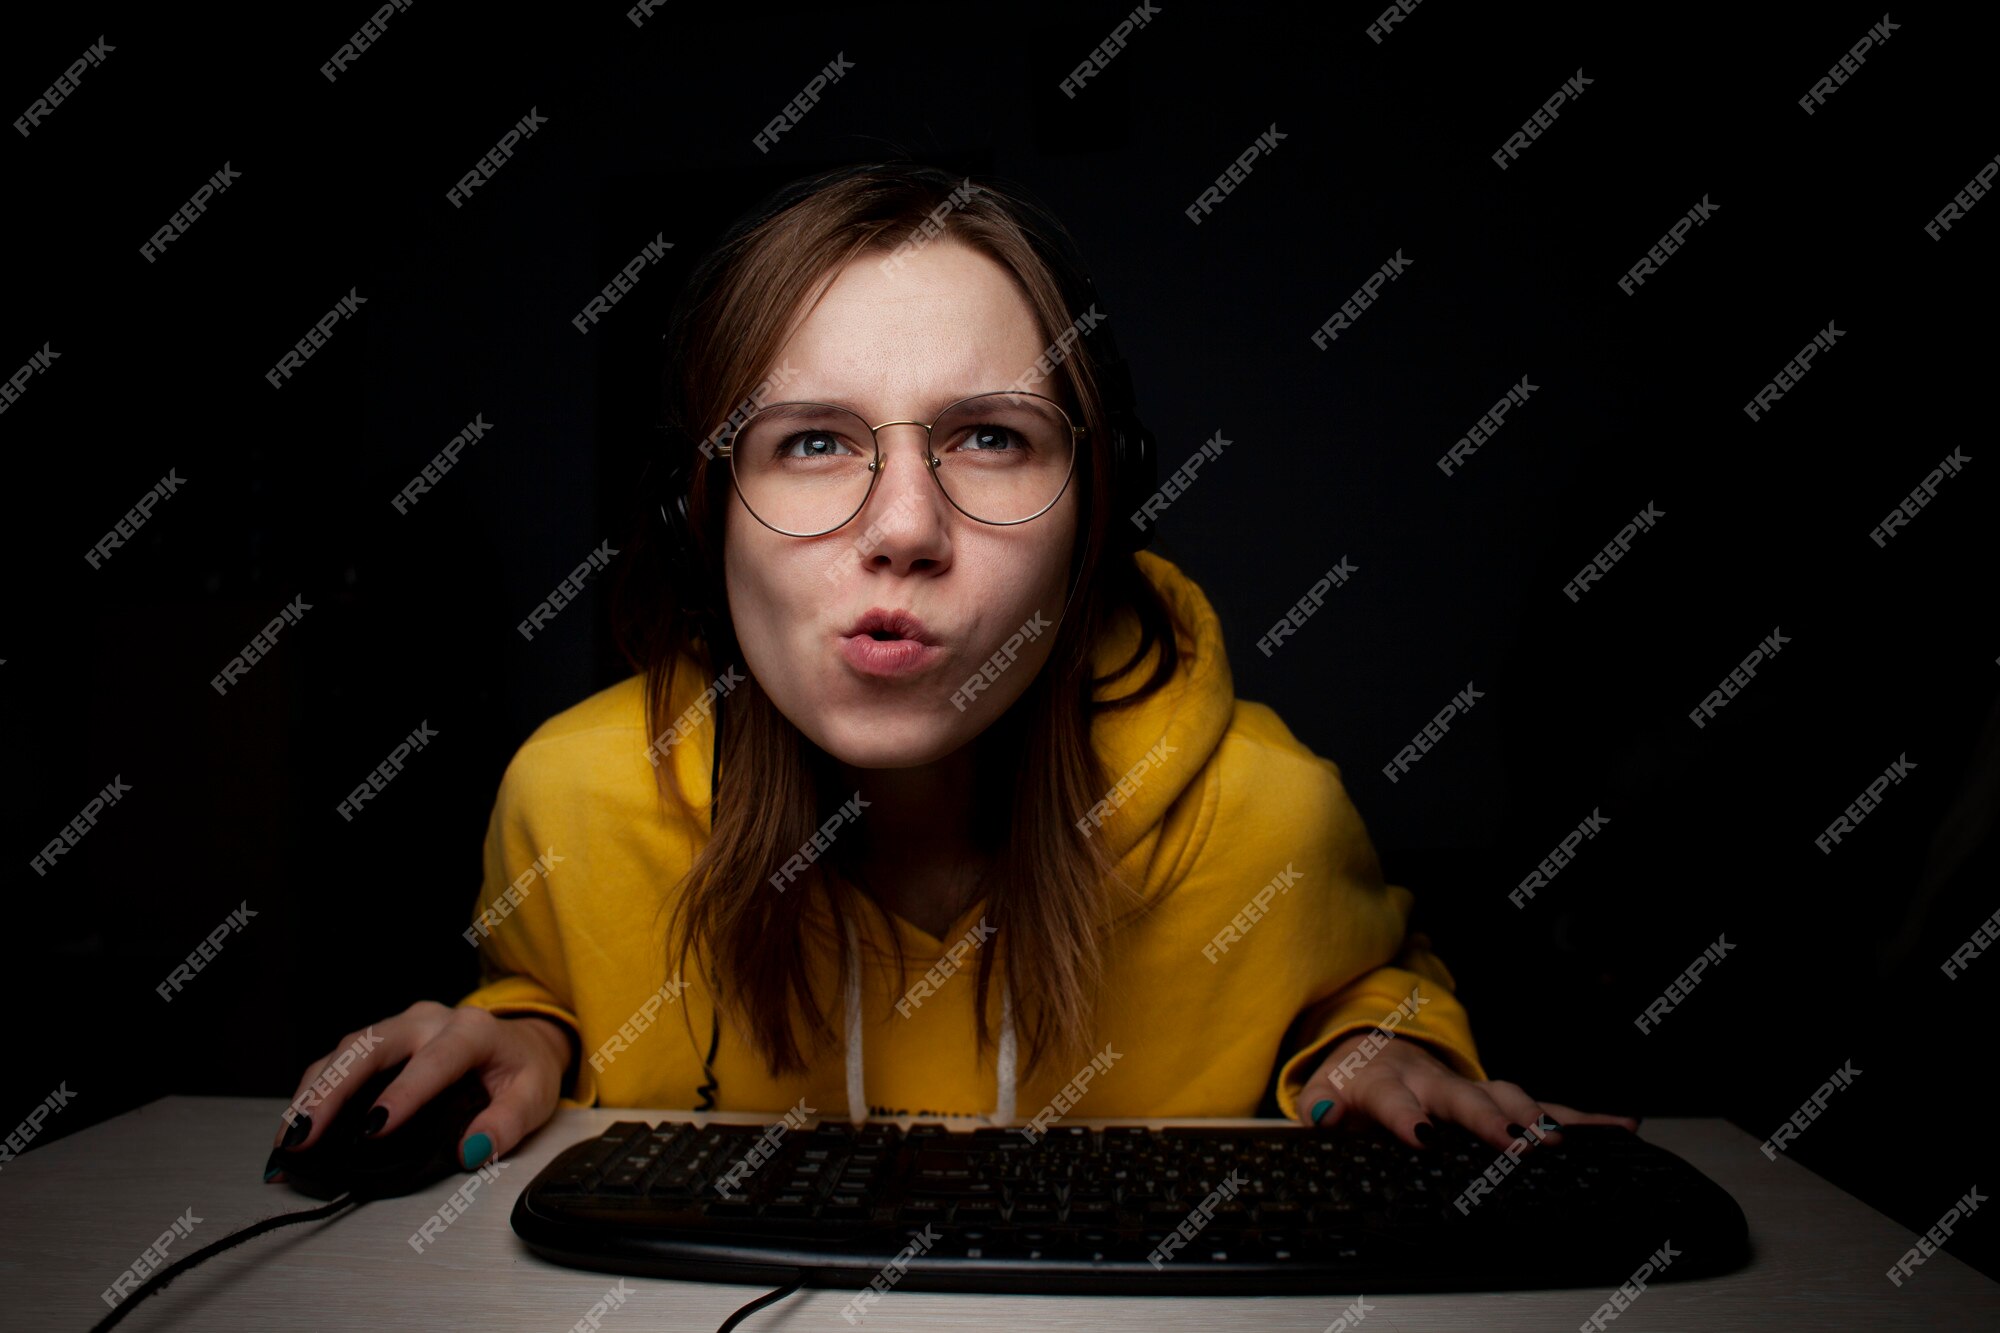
(1320, 1108)
(270, 1175)
(477, 1149)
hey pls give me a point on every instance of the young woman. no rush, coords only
(930, 793)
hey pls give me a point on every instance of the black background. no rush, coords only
(1513, 273)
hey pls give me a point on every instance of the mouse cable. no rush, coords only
(162, 1278)
(753, 1307)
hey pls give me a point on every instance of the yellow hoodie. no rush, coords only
(1272, 936)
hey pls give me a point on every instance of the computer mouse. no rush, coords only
(422, 1149)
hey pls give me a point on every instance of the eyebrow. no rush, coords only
(847, 403)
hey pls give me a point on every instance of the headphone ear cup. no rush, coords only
(1134, 480)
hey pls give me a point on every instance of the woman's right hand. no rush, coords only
(521, 1060)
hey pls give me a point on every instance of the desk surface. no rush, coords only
(76, 1213)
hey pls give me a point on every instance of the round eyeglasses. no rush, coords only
(1001, 458)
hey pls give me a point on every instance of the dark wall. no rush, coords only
(1889, 649)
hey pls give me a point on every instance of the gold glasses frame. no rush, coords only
(876, 464)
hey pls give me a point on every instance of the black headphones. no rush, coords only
(1134, 466)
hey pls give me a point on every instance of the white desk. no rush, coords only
(75, 1213)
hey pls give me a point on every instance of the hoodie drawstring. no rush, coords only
(857, 1097)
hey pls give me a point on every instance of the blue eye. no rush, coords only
(815, 439)
(979, 437)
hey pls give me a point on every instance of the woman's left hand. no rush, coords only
(1404, 1087)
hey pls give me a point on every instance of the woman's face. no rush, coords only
(901, 346)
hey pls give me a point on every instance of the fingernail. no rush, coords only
(1320, 1108)
(376, 1119)
(476, 1150)
(273, 1174)
(297, 1133)
(1425, 1131)
(1546, 1125)
(1515, 1132)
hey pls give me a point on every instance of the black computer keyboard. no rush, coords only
(1126, 1209)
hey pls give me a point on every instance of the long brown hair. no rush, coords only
(1050, 891)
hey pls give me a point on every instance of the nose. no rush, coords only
(907, 519)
